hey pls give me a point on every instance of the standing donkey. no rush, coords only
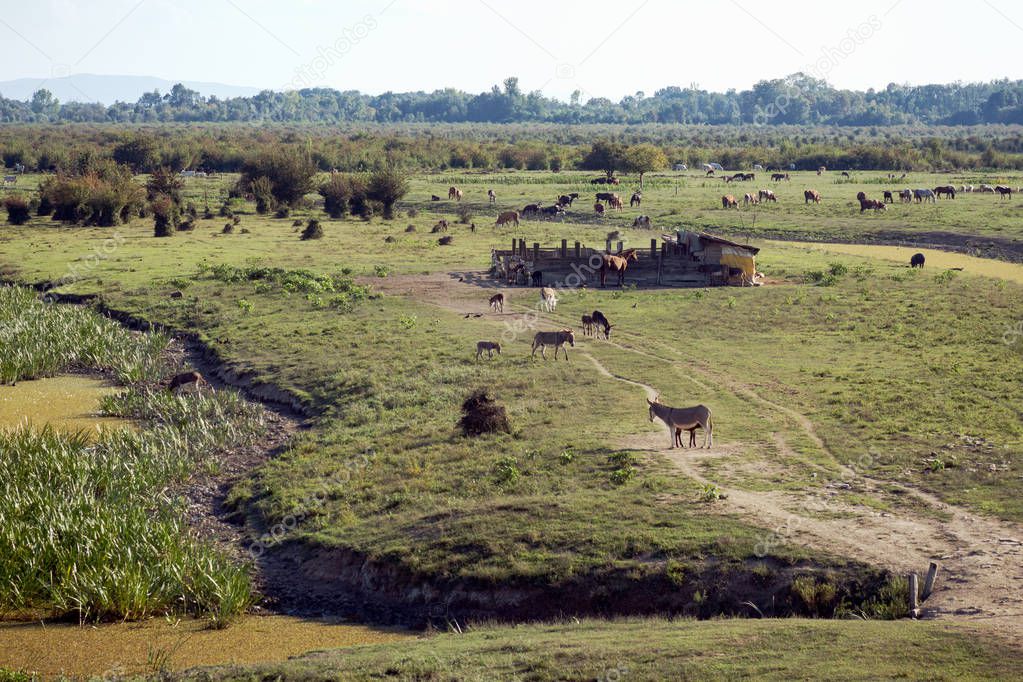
(684, 418)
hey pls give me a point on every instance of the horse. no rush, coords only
(492, 196)
(922, 195)
(619, 264)
(728, 201)
(1004, 191)
(636, 200)
(811, 195)
(948, 190)
(557, 339)
(683, 418)
(767, 195)
(888, 198)
(454, 193)
(497, 303)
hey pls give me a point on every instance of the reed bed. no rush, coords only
(94, 527)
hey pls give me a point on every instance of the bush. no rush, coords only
(283, 211)
(166, 182)
(388, 186)
(228, 228)
(18, 210)
(313, 230)
(186, 226)
(464, 213)
(225, 210)
(105, 197)
(482, 414)
(288, 170)
(165, 216)
(45, 206)
(262, 190)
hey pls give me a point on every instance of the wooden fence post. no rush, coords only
(578, 248)
(536, 252)
(607, 246)
(914, 602)
(621, 245)
(564, 248)
(932, 573)
(653, 248)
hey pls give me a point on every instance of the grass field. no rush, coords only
(916, 372)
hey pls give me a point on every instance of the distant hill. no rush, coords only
(89, 88)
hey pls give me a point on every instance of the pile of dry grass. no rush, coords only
(482, 414)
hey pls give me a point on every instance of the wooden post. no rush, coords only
(578, 248)
(564, 248)
(653, 248)
(515, 245)
(536, 252)
(914, 601)
(932, 573)
(522, 248)
(621, 245)
(607, 246)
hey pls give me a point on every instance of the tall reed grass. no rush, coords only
(95, 527)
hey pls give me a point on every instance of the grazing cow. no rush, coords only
(811, 195)
(441, 226)
(185, 378)
(710, 172)
(636, 200)
(616, 203)
(986, 189)
(434, 197)
(1004, 192)
(548, 299)
(874, 204)
(778, 177)
(565, 200)
(861, 196)
(749, 176)
(822, 170)
(728, 201)
(489, 347)
(553, 211)
(922, 195)
(948, 190)
(738, 177)
(606, 196)
(845, 174)
(529, 209)
(492, 196)
(684, 418)
(692, 436)
(508, 217)
(906, 196)
(600, 323)
(619, 264)
(599, 208)
(536, 278)
(454, 193)
(557, 339)
(643, 222)
(917, 261)
(888, 198)
(497, 303)
(767, 195)
(748, 199)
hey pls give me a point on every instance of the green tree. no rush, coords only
(643, 158)
(605, 155)
(140, 152)
(289, 170)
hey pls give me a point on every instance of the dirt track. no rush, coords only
(980, 558)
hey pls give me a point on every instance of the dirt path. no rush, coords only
(980, 558)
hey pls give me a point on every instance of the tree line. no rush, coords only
(798, 99)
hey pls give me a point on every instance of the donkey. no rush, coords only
(684, 418)
(600, 322)
(557, 339)
(489, 347)
(186, 378)
(497, 303)
(548, 299)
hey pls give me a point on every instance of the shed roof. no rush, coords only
(707, 237)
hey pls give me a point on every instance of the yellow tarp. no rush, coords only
(739, 258)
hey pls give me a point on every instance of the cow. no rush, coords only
(748, 199)
(888, 198)
(454, 193)
(861, 196)
(811, 195)
(642, 221)
(553, 211)
(599, 208)
(616, 203)
(822, 170)
(767, 195)
(492, 196)
(729, 201)
(434, 197)
(917, 261)
(906, 196)
(508, 217)
(529, 209)
(872, 204)
(636, 200)
(606, 196)
(778, 177)
(567, 199)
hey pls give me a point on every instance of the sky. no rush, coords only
(602, 49)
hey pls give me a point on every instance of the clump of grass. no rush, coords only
(18, 210)
(506, 470)
(481, 414)
(313, 230)
(817, 598)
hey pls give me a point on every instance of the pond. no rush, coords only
(937, 260)
(118, 649)
(69, 402)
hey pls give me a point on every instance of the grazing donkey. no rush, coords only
(684, 418)
(557, 339)
(600, 322)
(185, 378)
(497, 303)
(548, 299)
(587, 325)
(489, 347)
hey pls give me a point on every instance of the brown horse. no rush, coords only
(619, 264)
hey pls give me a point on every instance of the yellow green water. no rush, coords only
(68, 402)
(147, 647)
(938, 260)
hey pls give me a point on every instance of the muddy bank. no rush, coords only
(999, 248)
(341, 581)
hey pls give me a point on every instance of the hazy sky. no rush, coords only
(606, 49)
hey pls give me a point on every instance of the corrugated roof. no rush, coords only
(707, 237)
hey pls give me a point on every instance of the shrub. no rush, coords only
(262, 191)
(283, 211)
(45, 206)
(225, 210)
(288, 170)
(313, 230)
(336, 192)
(105, 197)
(165, 216)
(166, 182)
(464, 213)
(186, 226)
(228, 228)
(18, 210)
(481, 414)
(388, 186)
